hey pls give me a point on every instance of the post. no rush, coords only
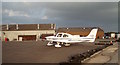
(51, 26)
(17, 26)
(38, 26)
(7, 26)
(54, 26)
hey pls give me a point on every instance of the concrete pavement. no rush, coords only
(107, 55)
(38, 52)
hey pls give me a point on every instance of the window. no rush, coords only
(65, 35)
(59, 35)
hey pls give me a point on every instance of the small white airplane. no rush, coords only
(66, 39)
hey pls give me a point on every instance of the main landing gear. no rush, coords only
(58, 44)
(67, 44)
(49, 44)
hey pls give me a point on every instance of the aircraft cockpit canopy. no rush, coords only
(65, 35)
(59, 35)
(62, 35)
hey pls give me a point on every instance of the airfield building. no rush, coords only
(23, 32)
(82, 31)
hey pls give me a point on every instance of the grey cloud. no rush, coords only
(74, 14)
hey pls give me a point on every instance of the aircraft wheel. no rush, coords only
(57, 46)
(67, 44)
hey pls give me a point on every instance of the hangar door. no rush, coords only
(26, 37)
(45, 35)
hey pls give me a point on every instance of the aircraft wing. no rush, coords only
(60, 40)
(67, 41)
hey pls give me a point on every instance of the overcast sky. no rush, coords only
(68, 14)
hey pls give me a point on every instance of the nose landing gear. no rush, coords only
(58, 45)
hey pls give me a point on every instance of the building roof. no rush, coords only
(78, 30)
(21, 27)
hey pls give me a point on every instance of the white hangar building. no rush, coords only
(23, 32)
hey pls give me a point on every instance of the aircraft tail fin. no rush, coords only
(93, 34)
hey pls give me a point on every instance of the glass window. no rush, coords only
(59, 35)
(65, 35)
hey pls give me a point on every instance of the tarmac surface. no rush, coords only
(107, 55)
(38, 52)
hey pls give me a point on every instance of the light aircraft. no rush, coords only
(66, 39)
